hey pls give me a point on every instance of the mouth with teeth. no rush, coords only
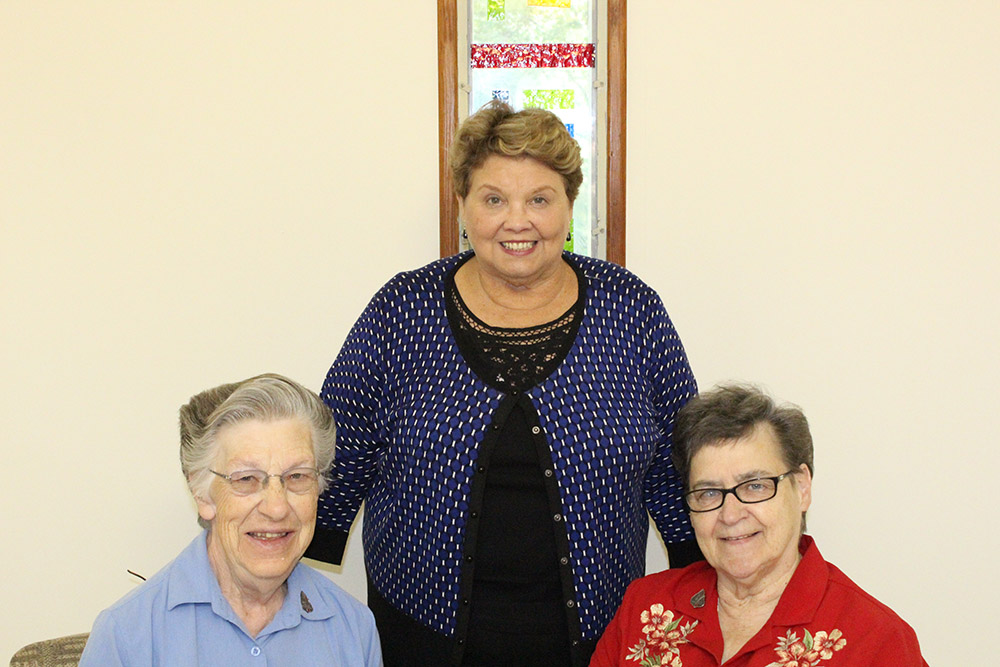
(738, 538)
(267, 537)
(518, 246)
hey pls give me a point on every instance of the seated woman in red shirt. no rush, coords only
(765, 595)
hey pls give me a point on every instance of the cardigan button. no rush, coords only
(548, 473)
(468, 559)
(557, 518)
(564, 561)
(570, 603)
(481, 468)
(536, 430)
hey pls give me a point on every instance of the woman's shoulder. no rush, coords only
(432, 271)
(602, 270)
(609, 280)
(124, 626)
(180, 577)
(860, 601)
(867, 625)
(143, 600)
(427, 279)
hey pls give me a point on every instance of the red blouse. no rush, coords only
(822, 619)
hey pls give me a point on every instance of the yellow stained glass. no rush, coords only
(548, 3)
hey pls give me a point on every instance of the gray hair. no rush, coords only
(733, 411)
(265, 397)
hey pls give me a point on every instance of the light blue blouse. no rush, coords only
(179, 617)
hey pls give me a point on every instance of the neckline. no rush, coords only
(581, 286)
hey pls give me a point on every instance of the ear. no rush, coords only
(206, 508)
(461, 207)
(803, 482)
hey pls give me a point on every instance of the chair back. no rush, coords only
(51, 652)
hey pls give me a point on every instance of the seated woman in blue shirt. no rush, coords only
(255, 455)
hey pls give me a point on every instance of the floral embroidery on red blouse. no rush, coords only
(663, 635)
(809, 651)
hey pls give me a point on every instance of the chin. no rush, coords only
(739, 569)
(274, 569)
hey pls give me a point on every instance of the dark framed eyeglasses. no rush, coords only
(249, 482)
(758, 490)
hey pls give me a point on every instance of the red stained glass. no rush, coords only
(532, 55)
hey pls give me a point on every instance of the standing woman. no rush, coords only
(505, 414)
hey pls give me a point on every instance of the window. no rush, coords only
(545, 53)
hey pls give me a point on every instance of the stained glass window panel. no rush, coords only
(541, 53)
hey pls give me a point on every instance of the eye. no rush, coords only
(300, 480)
(493, 200)
(705, 495)
(756, 490)
(539, 200)
(246, 482)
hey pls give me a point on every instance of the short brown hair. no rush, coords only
(731, 412)
(496, 129)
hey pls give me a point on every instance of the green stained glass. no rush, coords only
(549, 99)
(495, 10)
(521, 23)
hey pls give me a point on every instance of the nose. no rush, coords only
(518, 217)
(732, 509)
(274, 500)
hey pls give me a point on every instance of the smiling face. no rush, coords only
(517, 217)
(255, 541)
(750, 544)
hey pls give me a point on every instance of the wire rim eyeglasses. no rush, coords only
(249, 482)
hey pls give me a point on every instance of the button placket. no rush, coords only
(471, 535)
(566, 574)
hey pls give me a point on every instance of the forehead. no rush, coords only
(504, 170)
(257, 442)
(729, 460)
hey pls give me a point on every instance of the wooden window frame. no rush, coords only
(448, 124)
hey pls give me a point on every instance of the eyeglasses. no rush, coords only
(749, 492)
(249, 482)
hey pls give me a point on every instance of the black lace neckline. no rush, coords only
(513, 359)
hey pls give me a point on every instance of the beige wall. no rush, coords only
(195, 192)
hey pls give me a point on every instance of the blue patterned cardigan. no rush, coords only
(411, 416)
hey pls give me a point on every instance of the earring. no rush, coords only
(465, 235)
(569, 236)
